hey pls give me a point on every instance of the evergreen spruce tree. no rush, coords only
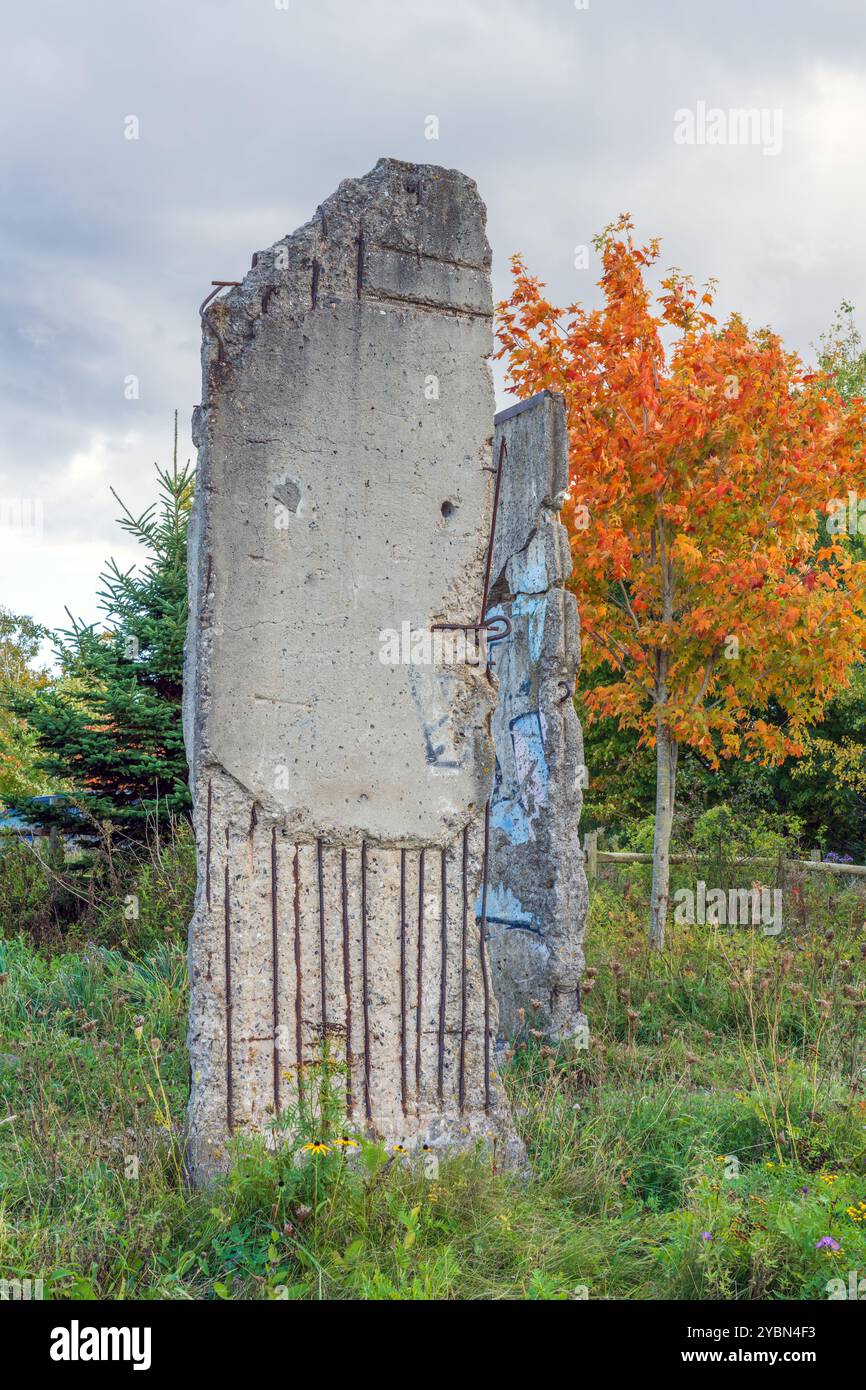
(109, 729)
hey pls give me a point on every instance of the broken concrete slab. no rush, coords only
(537, 892)
(344, 487)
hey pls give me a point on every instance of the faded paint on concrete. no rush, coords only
(537, 893)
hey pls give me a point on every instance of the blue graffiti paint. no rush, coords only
(510, 818)
(514, 809)
(505, 910)
(534, 610)
(528, 572)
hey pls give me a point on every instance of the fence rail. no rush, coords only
(595, 856)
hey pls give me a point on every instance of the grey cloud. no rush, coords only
(251, 115)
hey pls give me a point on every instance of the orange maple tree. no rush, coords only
(701, 461)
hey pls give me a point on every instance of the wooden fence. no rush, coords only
(596, 856)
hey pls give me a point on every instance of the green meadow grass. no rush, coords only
(711, 1137)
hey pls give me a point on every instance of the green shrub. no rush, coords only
(25, 892)
(152, 898)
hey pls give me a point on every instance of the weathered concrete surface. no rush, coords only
(537, 892)
(344, 487)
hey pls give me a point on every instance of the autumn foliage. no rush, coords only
(702, 459)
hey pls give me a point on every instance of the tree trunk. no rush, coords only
(666, 780)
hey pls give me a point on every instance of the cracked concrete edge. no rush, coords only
(538, 884)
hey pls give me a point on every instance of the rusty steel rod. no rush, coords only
(418, 1012)
(229, 1003)
(324, 987)
(206, 318)
(444, 968)
(366, 995)
(497, 629)
(403, 1084)
(461, 1088)
(209, 838)
(485, 977)
(299, 1003)
(275, 957)
(503, 454)
(347, 984)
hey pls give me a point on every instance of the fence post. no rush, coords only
(590, 850)
(55, 847)
(780, 873)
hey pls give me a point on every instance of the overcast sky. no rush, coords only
(249, 115)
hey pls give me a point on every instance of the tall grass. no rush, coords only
(704, 1145)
